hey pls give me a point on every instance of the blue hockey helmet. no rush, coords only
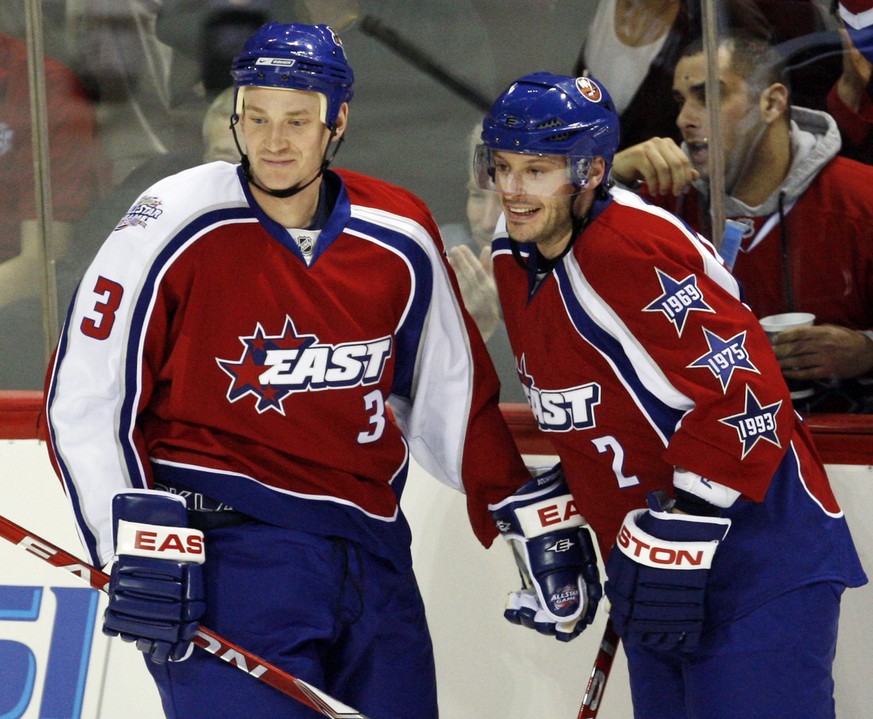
(547, 114)
(295, 56)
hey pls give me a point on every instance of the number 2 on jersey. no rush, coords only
(611, 444)
(111, 293)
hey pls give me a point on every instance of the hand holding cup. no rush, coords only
(777, 328)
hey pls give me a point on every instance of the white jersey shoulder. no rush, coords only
(713, 264)
(176, 199)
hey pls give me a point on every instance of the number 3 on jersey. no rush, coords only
(375, 404)
(110, 293)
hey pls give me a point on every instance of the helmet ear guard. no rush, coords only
(483, 167)
(579, 170)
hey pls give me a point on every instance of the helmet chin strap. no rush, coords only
(326, 159)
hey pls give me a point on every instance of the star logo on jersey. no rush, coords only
(679, 297)
(272, 367)
(724, 357)
(755, 423)
(560, 410)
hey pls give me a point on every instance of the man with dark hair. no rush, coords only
(808, 213)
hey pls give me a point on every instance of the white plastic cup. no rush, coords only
(773, 325)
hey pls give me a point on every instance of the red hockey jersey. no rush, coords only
(203, 351)
(637, 357)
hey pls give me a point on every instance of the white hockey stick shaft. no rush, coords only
(205, 638)
(599, 673)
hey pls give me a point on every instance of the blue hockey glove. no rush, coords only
(156, 588)
(656, 576)
(555, 557)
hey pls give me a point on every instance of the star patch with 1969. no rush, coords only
(755, 422)
(679, 297)
(725, 356)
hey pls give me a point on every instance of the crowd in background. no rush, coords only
(137, 89)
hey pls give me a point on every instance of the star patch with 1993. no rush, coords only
(755, 422)
(679, 297)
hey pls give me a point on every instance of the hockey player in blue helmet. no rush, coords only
(552, 138)
(305, 58)
(619, 316)
(269, 450)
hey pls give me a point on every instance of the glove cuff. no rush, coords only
(540, 506)
(644, 548)
(176, 544)
(154, 524)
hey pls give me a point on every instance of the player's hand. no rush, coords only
(656, 577)
(523, 607)
(823, 352)
(659, 163)
(554, 555)
(156, 589)
(852, 84)
(478, 288)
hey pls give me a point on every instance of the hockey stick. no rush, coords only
(599, 673)
(205, 638)
(416, 56)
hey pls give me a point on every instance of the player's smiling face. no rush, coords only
(537, 196)
(285, 135)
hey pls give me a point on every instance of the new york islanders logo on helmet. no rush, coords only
(589, 89)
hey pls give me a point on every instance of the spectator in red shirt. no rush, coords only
(809, 213)
(74, 163)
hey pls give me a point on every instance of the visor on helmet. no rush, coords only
(542, 176)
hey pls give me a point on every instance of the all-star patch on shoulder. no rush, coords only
(679, 297)
(146, 208)
(725, 356)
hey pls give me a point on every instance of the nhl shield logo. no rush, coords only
(306, 244)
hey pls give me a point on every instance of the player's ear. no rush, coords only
(773, 102)
(342, 119)
(596, 173)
